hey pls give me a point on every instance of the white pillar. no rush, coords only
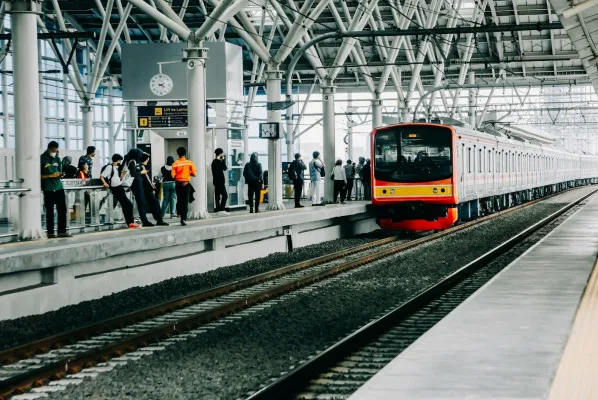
(406, 113)
(110, 120)
(329, 150)
(65, 99)
(376, 111)
(273, 80)
(350, 127)
(195, 56)
(290, 145)
(130, 124)
(5, 119)
(42, 126)
(87, 111)
(27, 115)
(472, 101)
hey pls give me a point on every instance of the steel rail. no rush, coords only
(72, 364)
(295, 381)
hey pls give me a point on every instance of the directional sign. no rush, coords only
(162, 117)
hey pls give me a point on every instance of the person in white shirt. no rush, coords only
(111, 179)
(340, 181)
(316, 172)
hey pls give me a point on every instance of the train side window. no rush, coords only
(489, 161)
(469, 160)
(480, 155)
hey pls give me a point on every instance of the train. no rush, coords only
(428, 176)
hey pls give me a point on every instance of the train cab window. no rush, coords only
(413, 153)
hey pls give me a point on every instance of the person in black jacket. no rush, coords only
(134, 169)
(253, 177)
(68, 169)
(366, 180)
(149, 192)
(218, 168)
(297, 175)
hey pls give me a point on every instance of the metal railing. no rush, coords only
(90, 207)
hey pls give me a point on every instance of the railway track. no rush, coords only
(340, 370)
(69, 353)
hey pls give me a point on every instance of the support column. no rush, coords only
(376, 111)
(472, 101)
(329, 148)
(6, 118)
(406, 112)
(195, 56)
(350, 126)
(290, 142)
(110, 120)
(131, 133)
(273, 80)
(376, 118)
(40, 66)
(65, 99)
(87, 111)
(27, 114)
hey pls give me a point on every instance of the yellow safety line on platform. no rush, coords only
(577, 375)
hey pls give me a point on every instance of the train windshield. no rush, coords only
(413, 154)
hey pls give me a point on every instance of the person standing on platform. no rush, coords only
(350, 173)
(111, 180)
(316, 169)
(218, 168)
(134, 170)
(253, 176)
(51, 172)
(168, 191)
(182, 171)
(366, 179)
(149, 192)
(358, 169)
(87, 159)
(297, 175)
(339, 178)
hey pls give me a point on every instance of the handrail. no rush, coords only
(14, 190)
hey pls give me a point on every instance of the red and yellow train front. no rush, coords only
(413, 177)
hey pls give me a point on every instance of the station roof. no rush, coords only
(524, 56)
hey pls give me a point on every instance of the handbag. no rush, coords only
(322, 172)
(332, 177)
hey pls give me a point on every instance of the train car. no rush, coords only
(428, 176)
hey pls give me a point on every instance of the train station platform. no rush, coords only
(508, 340)
(40, 276)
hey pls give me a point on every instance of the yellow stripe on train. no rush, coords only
(414, 191)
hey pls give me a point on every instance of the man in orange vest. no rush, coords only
(182, 171)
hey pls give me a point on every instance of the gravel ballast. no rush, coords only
(234, 359)
(26, 329)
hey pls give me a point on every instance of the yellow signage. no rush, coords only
(142, 121)
(158, 111)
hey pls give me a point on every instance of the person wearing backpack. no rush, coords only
(131, 168)
(111, 180)
(296, 173)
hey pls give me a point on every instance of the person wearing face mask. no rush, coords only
(51, 171)
(111, 180)
(168, 189)
(218, 168)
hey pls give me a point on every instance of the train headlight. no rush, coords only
(435, 190)
(392, 191)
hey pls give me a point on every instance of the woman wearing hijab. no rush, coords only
(168, 190)
(134, 169)
(253, 177)
(69, 170)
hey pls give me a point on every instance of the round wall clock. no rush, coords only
(161, 84)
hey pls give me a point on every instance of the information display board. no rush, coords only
(162, 117)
